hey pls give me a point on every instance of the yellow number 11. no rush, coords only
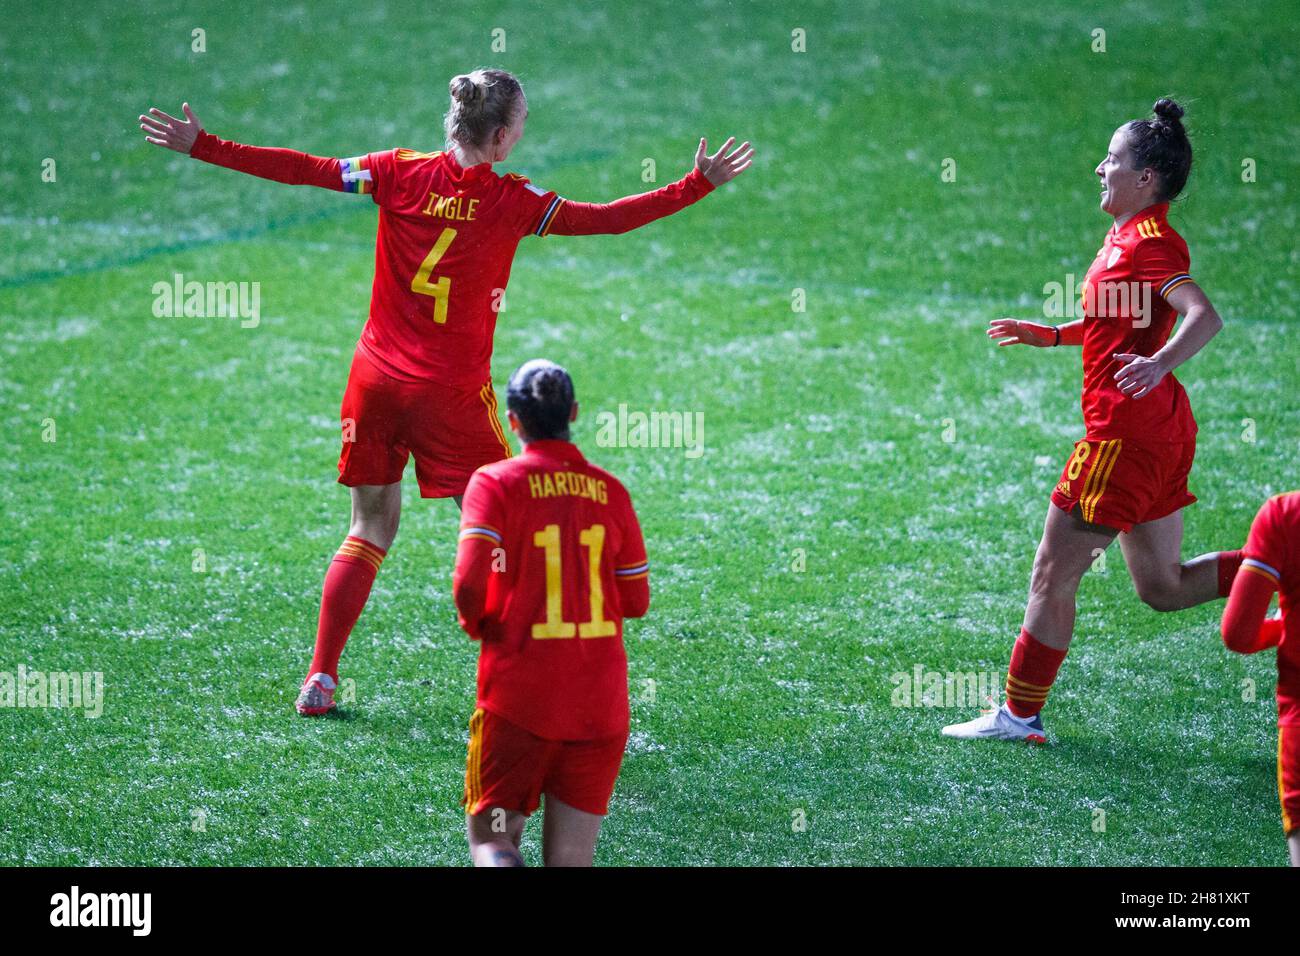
(593, 539)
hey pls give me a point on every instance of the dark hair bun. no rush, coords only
(1161, 143)
(1167, 110)
(548, 384)
(540, 393)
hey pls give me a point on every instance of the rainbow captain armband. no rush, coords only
(544, 224)
(357, 177)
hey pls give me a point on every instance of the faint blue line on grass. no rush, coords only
(134, 258)
(240, 234)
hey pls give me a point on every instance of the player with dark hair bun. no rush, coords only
(1127, 477)
(550, 562)
(1161, 144)
(420, 384)
(540, 395)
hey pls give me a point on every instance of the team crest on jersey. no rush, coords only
(1115, 253)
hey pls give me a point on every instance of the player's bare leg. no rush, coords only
(376, 510)
(568, 834)
(1153, 553)
(1068, 547)
(494, 837)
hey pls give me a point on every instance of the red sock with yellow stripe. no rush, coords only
(1031, 674)
(347, 587)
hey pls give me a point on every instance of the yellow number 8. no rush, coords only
(1081, 453)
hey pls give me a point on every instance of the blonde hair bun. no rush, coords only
(465, 89)
(482, 101)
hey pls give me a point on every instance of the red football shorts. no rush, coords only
(510, 768)
(450, 431)
(1288, 776)
(1121, 482)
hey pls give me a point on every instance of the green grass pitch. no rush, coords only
(875, 439)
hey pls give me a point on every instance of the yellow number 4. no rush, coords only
(593, 539)
(440, 289)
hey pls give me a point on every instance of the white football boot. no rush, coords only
(1001, 724)
(317, 696)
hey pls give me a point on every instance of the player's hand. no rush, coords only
(721, 168)
(162, 129)
(1015, 332)
(1139, 374)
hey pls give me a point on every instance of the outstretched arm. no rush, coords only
(1016, 332)
(281, 165)
(632, 212)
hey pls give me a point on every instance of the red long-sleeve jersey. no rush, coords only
(550, 562)
(447, 238)
(1271, 562)
(1125, 310)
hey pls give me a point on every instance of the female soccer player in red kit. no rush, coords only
(550, 562)
(1272, 563)
(420, 381)
(1128, 476)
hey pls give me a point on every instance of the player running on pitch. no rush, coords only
(1272, 563)
(549, 564)
(420, 381)
(1128, 476)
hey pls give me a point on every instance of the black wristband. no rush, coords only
(1057, 330)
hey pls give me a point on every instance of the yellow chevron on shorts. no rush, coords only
(473, 762)
(1100, 474)
(490, 400)
(1088, 482)
(1287, 823)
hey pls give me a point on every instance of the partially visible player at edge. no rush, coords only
(550, 562)
(1272, 563)
(1128, 476)
(420, 381)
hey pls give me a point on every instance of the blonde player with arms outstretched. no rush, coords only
(420, 381)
